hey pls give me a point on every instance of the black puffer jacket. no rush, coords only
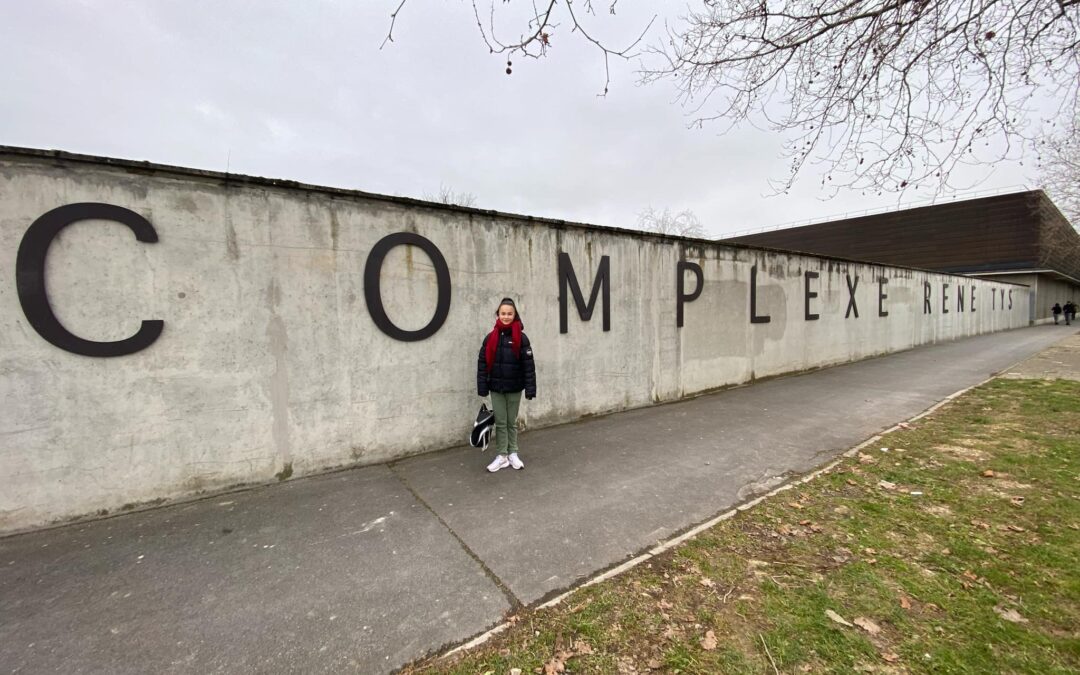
(508, 374)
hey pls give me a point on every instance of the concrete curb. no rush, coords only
(698, 529)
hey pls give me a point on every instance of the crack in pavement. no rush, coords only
(515, 604)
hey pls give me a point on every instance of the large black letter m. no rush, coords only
(601, 282)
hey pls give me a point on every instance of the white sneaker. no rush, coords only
(500, 462)
(515, 461)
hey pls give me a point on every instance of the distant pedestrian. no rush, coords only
(1070, 312)
(1056, 309)
(505, 369)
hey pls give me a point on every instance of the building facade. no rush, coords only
(1019, 237)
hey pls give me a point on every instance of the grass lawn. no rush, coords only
(949, 547)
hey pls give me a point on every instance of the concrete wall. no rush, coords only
(270, 363)
(1051, 290)
(1044, 290)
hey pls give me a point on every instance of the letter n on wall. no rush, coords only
(602, 283)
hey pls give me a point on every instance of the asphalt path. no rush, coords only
(367, 569)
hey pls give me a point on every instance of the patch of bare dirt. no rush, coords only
(1011, 485)
(963, 452)
(939, 510)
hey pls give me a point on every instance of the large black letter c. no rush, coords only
(30, 278)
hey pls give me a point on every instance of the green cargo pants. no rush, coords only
(506, 412)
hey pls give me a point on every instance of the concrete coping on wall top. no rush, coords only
(149, 168)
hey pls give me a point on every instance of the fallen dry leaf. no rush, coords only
(1009, 614)
(557, 664)
(1015, 528)
(708, 643)
(581, 606)
(1017, 501)
(795, 505)
(581, 647)
(989, 473)
(707, 582)
(837, 618)
(888, 485)
(905, 425)
(851, 482)
(891, 657)
(867, 625)
(654, 664)
(866, 459)
(904, 602)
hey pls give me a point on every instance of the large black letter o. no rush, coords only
(30, 278)
(373, 291)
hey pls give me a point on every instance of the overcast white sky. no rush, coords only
(302, 91)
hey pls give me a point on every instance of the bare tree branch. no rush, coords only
(882, 96)
(684, 223)
(447, 195)
(1059, 169)
(879, 95)
(393, 20)
(537, 39)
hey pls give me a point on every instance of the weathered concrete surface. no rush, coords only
(270, 360)
(619, 484)
(342, 573)
(1061, 361)
(372, 567)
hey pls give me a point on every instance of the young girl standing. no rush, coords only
(504, 369)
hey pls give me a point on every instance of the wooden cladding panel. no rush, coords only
(1000, 232)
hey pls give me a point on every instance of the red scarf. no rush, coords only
(493, 340)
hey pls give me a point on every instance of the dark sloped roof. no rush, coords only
(1016, 231)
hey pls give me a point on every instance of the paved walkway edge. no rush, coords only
(698, 529)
